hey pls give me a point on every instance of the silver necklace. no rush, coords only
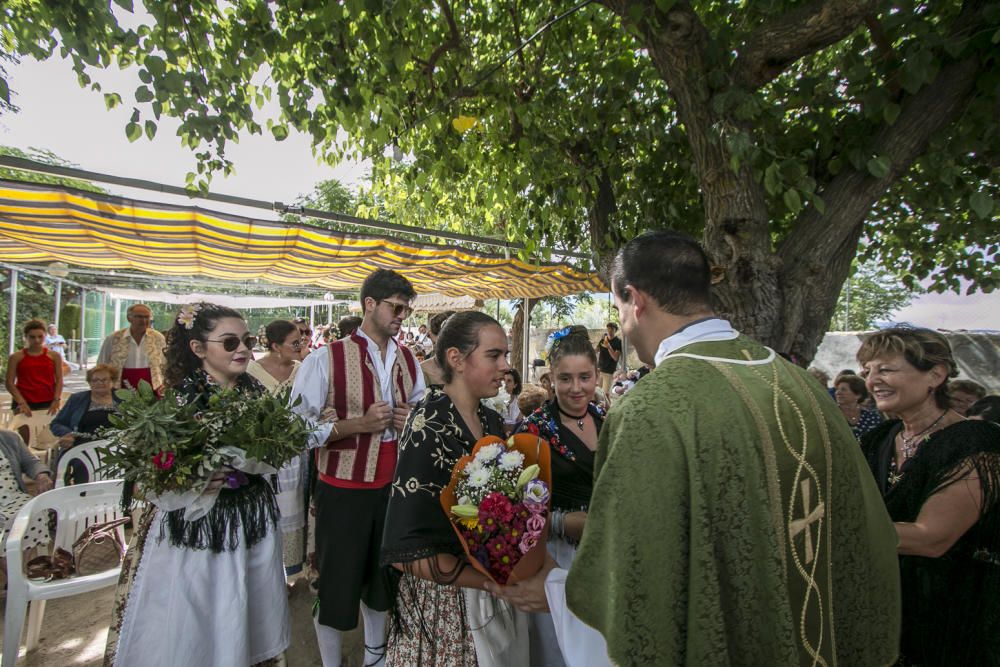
(910, 443)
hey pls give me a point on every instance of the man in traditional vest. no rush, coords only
(357, 392)
(733, 520)
(137, 350)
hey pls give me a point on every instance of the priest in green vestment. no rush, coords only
(734, 520)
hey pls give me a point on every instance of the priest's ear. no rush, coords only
(638, 301)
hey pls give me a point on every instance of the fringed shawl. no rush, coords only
(951, 604)
(243, 515)
(434, 439)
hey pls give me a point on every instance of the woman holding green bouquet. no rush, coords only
(203, 583)
(442, 614)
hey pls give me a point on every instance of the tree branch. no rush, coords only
(815, 249)
(791, 35)
(453, 42)
(850, 196)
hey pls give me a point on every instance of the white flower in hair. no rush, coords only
(188, 312)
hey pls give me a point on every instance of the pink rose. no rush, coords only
(528, 542)
(535, 523)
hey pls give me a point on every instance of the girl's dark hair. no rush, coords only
(31, 325)
(436, 322)
(576, 342)
(516, 374)
(460, 331)
(276, 332)
(181, 361)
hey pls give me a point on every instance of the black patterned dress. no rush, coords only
(429, 624)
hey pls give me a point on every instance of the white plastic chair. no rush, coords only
(76, 507)
(40, 438)
(86, 454)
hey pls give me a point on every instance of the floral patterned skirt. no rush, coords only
(431, 629)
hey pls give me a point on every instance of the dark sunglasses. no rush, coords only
(230, 343)
(398, 309)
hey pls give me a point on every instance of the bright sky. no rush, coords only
(56, 114)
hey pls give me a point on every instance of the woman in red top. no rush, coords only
(34, 374)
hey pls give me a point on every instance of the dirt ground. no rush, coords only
(75, 630)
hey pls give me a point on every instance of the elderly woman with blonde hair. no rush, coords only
(940, 478)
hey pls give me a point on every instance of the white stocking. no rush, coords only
(374, 636)
(330, 641)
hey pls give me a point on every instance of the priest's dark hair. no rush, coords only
(181, 361)
(460, 331)
(575, 342)
(670, 267)
(384, 283)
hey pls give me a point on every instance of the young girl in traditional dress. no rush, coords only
(442, 615)
(209, 591)
(570, 423)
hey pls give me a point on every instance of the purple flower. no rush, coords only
(535, 523)
(236, 478)
(528, 542)
(536, 492)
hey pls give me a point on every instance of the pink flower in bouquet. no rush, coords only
(163, 460)
(528, 542)
(496, 506)
(536, 523)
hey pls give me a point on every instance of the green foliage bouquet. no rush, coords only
(172, 447)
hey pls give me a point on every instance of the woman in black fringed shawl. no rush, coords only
(940, 477)
(209, 591)
(441, 614)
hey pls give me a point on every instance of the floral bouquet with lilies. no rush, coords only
(498, 504)
(172, 448)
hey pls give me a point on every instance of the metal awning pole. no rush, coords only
(58, 306)
(118, 314)
(83, 328)
(12, 324)
(104, 314)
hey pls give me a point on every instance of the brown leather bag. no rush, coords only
(99, 548)
(48, 568)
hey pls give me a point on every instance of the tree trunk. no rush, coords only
(517, 341)
(785, 297)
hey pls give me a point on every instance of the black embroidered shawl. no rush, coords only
(951, 604)
(434, 439)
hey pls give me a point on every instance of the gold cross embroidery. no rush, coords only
(799, 525)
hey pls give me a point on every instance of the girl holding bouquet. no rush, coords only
(203, 583)
(570, 423)
(442, 614)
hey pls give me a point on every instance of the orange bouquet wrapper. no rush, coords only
(506, 540)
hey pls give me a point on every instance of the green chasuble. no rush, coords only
(734, 521)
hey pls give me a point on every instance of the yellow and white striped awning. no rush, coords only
(46, 223)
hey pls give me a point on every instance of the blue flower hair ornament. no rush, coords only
(553, 340)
